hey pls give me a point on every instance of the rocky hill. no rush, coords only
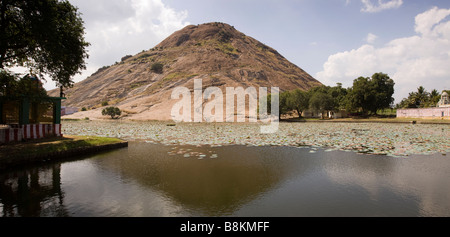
(141, 85)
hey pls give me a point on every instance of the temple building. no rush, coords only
(441, 111)
(28, 113)
(445, 101)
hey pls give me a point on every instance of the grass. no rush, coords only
(43, 147)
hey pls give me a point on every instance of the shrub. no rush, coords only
(157, 68)
(125, 57)
(104, 103)
(83, 109)
(112, 111)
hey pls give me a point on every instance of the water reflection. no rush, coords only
(32, 192)
(156, 180)
(204, 185)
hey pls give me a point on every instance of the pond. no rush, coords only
(148, 179)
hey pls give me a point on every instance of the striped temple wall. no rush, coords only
(29, 131)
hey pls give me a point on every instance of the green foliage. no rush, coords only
(125, 58)
(420, 99)
(321, 100)
(112, 111)
(47, 36)
(368, 95)
(83, 109)
(224, 36)
(13, 86)
(298, 100)
(371, 94)
(283, 104)
(104, 103)
(157, 68)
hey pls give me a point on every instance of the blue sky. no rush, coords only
(333, 40)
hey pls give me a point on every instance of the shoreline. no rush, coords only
(293, 120)
(54, 149)
(376, 120)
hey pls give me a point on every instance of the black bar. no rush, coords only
(259, 226)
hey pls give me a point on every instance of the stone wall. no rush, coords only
(428, 113)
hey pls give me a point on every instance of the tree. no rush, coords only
(383, 87)
(420, 99)
(321, 102)
(298, 100)
(282, 103)
(46, 36)
(371, 94)
(14, 86)
(112, 111)
(339, 95)
(434, 97)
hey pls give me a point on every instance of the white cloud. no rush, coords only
(116, 28)
(422, 59)
(371, 38)
(380, 5)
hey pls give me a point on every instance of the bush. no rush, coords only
(112, 111)
(125, 57)
(157, 68)
(83, 109)
(104, 103)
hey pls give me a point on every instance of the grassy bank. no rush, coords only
(54, 148)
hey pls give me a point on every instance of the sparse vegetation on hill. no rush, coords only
(157, 68)
(215, 52)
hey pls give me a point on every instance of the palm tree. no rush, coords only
(421, 97)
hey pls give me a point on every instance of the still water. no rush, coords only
(156, 180)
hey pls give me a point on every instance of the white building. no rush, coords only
(445, 101)
(68, 110)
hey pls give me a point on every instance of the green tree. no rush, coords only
(282, 103)
(112, 111)
(298, 100)
(12, 85)
(339, 95)
(435, 96)
(322, 102)
(383, 87)
(371, 94)
(46, 36)
(420, 99)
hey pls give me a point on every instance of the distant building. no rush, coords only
(68, 110)
(328, 114)
(441, 111)
(445, 101)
